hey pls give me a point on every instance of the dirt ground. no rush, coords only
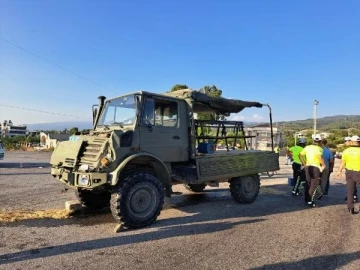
(203, 231)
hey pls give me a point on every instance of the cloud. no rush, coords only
(257, 118)
(236, 117)
(250, 118)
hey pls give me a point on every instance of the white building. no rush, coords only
(10, 130)
(262, 137)
(324, 135)
(50, 140)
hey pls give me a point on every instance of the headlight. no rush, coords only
(84, 180)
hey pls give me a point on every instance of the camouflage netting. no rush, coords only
(201, 102)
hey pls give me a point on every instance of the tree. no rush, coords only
(74, 130)
(85, 131)
(212, 91)
(178, 87)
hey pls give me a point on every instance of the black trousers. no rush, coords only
(312, 182)
(352, 178)
(298, 175)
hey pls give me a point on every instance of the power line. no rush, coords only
(34, 110)
(57, 65)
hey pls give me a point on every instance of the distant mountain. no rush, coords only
(327, 123)
(60, 125)
(252, 124)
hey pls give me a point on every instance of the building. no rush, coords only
(8, 129)
(50, 140)
(262, 137)
(324, 135)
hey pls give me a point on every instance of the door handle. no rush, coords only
(176, 137)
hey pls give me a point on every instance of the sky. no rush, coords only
(285, 53)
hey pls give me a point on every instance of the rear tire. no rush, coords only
(245, 189)
(92, 200)
(195, 187)
(138, 200)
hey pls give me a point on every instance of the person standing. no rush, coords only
(298, 169)
(311, 158)
(329, 162)
(351, 162)
(349, 143)
(288, 159)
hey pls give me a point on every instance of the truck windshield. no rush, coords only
(119, 112)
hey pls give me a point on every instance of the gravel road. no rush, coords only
(203, 231)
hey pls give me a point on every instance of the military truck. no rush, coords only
(143, 143)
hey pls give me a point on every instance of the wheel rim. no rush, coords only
(142, 201)
(249, 186)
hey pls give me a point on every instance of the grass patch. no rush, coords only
(40, 214)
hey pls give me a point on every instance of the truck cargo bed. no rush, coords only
(227, 164)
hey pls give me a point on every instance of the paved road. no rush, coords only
(20, 159)
(203, 231)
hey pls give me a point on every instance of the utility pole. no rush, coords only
(316, 102)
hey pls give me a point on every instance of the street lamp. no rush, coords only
(316, 102)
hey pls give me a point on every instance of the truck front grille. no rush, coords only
(92, 150)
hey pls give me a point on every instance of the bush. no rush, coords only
(18, 142)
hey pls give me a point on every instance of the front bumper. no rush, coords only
(80, 179)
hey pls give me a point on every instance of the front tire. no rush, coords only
(245, 189)
(138, 201)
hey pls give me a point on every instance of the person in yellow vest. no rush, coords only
(311, 158)
(298, 170)
(348, 143)
(350, 160)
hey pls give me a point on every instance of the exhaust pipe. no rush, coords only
(97, 112)
(101, 100)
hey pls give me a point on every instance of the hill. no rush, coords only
(327, 123)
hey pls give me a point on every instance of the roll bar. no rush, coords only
(271, 126)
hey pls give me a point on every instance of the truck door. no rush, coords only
(164, 129)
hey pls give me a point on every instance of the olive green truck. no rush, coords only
(143, 143)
